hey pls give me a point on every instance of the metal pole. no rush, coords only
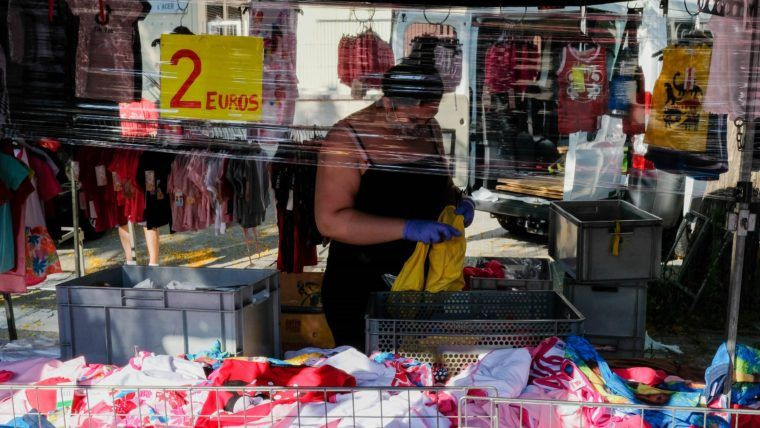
(75, 218)
(132, 240)
(11, 319)
(744, 198)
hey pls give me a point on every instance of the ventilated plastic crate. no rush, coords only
(452, 329)
(531, 274)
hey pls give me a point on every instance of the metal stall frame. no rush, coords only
(493, 404)
(378, 414)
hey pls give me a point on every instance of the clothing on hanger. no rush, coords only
(27, 252)
(293, 182)
(727, 87)
(130, 196)
(97, 196)
(250, 181)
(105, 61)
(40, 69)
(705, 166)
(443, 53)
(153, 177)
(365, 57)
(678, 120)
(277, 25)
(583, 89)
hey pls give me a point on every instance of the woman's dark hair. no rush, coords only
(419, 82)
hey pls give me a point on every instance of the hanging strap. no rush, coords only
(616, 240)
(360, 145)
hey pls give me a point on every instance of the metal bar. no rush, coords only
(78, 254)
(132, 240)
(726, 240)
(10, 318)
(740, 239)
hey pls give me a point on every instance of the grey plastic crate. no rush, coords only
(453, 328)
(532, 273)
(616, 312)
(581, 235)
(103, 318)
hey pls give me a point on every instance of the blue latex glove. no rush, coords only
(429, 232)
(466, 209)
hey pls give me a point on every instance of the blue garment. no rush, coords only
(684, 420)
(31, 420)
(715, 375)
(747, 367)
(12, 174)
(582, 353)
(214, 353)
(745, 393)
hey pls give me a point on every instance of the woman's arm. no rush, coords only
(338, 176)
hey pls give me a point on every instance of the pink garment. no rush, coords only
(176, 188)
(727, 89)
(202, 209)
(548, 358)
(36, 371)
(645, 375)
(105, 58)
(570, 384)
(146, 114)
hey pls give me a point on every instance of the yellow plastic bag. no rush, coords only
(446, 262)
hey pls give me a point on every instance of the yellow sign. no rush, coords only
(211, 77)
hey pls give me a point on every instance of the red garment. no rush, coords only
(635, 121)
(303, 254)
(45, 400)
(129, 195)
(49, 144)
(583, 89)
(238, 372)
(501, 59)
(745, 421)
(48, 186)
(146, 114)
(365, 57)
(528, 65)
(492, 269)
(645, 375)
(98, 201)
(6, 375)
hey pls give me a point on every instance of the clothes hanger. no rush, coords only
(180, 29)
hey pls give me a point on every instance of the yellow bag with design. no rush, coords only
(446, 261)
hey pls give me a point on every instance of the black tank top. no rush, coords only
(416, 190)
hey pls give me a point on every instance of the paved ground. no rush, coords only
(35, 312)
(36, 315)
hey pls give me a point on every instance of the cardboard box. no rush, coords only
(301, 292)
(305, 330)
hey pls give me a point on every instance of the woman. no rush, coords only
(381, 184)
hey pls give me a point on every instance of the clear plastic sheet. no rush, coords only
(491, 96)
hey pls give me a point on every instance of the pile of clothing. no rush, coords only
(343, 387)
